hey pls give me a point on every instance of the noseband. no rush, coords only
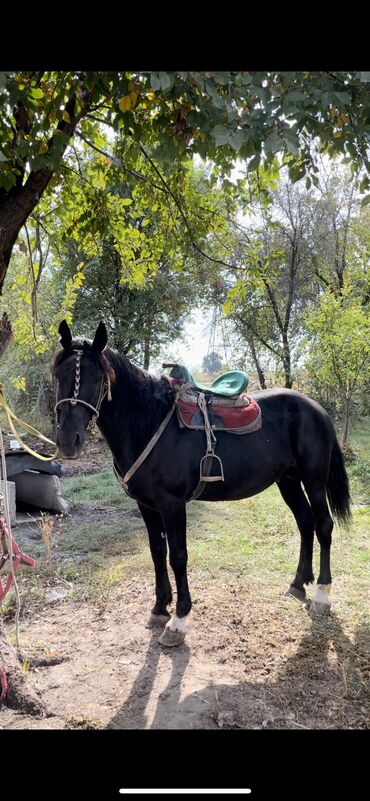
(103, 391)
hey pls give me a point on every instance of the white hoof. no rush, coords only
(320, 604)
(171, 638)
(174, 633)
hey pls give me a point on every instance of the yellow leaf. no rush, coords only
(133, 98)
(43, 148)
(66, 117)
(125, 103)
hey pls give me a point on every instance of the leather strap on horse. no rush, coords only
(148, 449)
(206, 462)
(105, 390)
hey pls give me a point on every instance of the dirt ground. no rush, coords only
(251, 660)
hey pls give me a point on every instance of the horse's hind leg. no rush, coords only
(295, 498)
(158, 548)
(323, 525)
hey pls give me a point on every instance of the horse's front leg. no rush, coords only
(158, 548)
(174, 518)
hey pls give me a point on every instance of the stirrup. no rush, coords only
(204, 476)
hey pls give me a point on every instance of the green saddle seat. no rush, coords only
(232, 383)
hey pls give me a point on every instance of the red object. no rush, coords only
(3, 684)
(19, 558)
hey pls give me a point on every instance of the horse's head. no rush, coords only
(83, 377)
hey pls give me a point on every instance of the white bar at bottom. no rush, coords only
(189, 791)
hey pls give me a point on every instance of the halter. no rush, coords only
(104, 390)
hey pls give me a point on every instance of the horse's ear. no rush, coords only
(65, 333)
(100, 338)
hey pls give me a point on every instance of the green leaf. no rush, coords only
(166, 80)
(155, 81)
(236, 139)
(272, 143)
(365, 201)
(3, 157)
(222, 78)
(292, 142)
(126, 201)
(221, 135)
(254, 163)
(343, 98)
(37, 93)
(295, 96)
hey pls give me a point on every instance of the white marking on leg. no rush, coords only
(322, 594)
(177, 624)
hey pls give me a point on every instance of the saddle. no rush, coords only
(225, 402)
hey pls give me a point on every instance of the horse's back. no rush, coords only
(281, 400)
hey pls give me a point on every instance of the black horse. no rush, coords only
(296, 446)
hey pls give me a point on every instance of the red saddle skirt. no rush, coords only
(240, 415)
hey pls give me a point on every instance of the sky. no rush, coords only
(193, 345)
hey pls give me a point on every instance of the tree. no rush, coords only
(271, 282)
(212, 362)
(217, 115)
(140, 321)
(339, 347)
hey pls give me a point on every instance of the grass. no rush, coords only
(102, 487)
(254, 540)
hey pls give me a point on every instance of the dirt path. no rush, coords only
(253, 658)
(272, 667)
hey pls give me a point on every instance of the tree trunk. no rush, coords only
(147, 342)
(20, 695)
(287, 363)
(15, 211)
(20, 201)
(146, 354)
(261, 375)
(346, 413)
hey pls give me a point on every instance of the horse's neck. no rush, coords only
(124, 420)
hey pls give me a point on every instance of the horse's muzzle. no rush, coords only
(70, 448)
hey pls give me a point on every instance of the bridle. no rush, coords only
(104, 390)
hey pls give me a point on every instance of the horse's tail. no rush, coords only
(338, 487)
